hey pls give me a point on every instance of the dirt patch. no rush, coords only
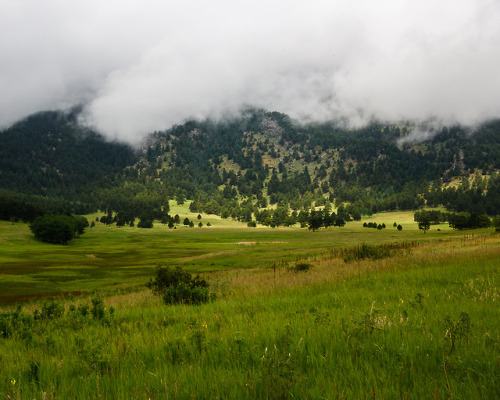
(247, 243)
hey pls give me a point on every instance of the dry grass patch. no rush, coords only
(248, 283)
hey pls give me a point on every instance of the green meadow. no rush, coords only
(112, 259)
(421, 323)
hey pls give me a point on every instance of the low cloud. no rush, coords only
(143, 66)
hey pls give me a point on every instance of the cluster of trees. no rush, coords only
(318, 219)
(219, 205)
(460, 221)
(426, 218)
(465, 220)
(313, 219)
(21, 207)
(284, 214)
(374, 225)
(479, 196)
(188, 222)
(14, 208)
(146, 221)
(58, 229)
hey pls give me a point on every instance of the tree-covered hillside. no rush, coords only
(50, 154)
(266, 155)
(236, 167)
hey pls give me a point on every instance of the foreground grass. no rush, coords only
(422, 324)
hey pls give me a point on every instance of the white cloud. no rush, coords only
(143, 66)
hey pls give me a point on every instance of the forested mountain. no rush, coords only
(265, 155)
(238, 166)
(50, 154)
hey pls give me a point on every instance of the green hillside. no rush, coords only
(253, 160)
(49, 153)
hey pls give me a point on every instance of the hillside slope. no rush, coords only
(259, 156)
(50, 154)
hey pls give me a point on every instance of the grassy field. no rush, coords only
(421, 323)
(110, 259)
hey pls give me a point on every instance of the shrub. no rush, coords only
(145, 223)
(58, 229)
(97, 308)
(186, 295)
(15, 321)
(80, 224)
(302, 267)
(51, 310)
(83, 309)
(366, 251)
(496, 223)
(178, 286)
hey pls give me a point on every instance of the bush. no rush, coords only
(496, 223)
(80, 224)
(97, 308)
(467, 220)
(16, 321)
(302, 267)
(186, 295)
(58, 229)
(51, 310)
(178, 286)
(374, 225)
(145, 223)
(366, 251)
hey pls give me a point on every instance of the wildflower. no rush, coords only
(204, 324)
(13, 382)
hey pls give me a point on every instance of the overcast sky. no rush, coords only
(141, 66)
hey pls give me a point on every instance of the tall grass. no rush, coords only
(416, 325)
